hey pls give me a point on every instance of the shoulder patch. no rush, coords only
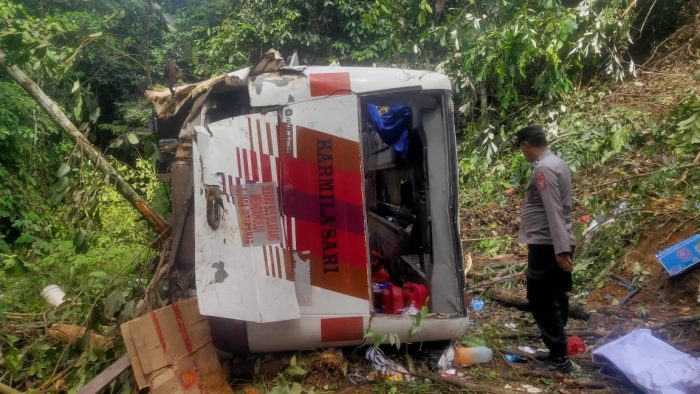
(540, 181)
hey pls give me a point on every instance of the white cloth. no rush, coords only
(651, 364)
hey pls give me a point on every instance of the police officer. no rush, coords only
(545, 226)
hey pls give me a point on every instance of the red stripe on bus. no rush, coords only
(326, 84)
(340, 329)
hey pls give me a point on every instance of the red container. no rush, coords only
(415, 294)
(574, 346)
(392, 300)
(380, 275)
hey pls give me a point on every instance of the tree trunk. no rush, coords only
(95, 156)
(576, 311)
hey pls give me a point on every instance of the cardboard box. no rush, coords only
(681, 256)
(171, 351)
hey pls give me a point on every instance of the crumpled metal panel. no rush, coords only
(167, 105)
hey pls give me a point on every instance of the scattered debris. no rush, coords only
(527, 349)
(466, 356)
(54, 295)
(106, 376)
(681, 256)
(70, 333)
(575, 346)
(446, 359)
(651, 364)
(387, 368)
(477, 304)
(171, 351)
(530, 388)
(326, 368)
(512, 358)
(633, 289)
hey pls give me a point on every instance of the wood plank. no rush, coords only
(107, 376)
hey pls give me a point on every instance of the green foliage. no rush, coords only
(103, 285)
(602, 250)
(685, 122)
(31, 148)
(506, 56)
(471, 340)
(285, 382)
(493, 246)
(378, 338)
(418, 319)
(37, 42)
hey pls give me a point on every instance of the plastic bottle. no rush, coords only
(465, 356)
(477, 304)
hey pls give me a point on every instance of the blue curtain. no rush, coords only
(393, 126)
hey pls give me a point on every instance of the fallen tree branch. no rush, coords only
(107, 375)
(86, 148)
(5, 389)
(576, 311)
(69, 333)
(677, 320)
(571, 382)
(495, 280)
(685, 173)
(600, 334)
(459, 383)
(534, 334)
(686, 166)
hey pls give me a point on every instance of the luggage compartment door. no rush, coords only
(242, 269)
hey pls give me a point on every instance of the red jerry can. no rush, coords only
(392, 302)
(415, 294)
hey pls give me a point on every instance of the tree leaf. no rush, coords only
(116, 143)
(112, 304)
(95, 115)
(62, 184)
(76, 86)
(133, 138)
(78, 107)
(95, 35)
(56, 199)
(80, 243)
(63, 170)
(296, 388)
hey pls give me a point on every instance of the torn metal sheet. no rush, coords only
(167, 104)
(271, 61)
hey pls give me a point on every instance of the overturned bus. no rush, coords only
(314, 204)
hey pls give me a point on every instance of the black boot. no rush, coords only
(557, 364)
